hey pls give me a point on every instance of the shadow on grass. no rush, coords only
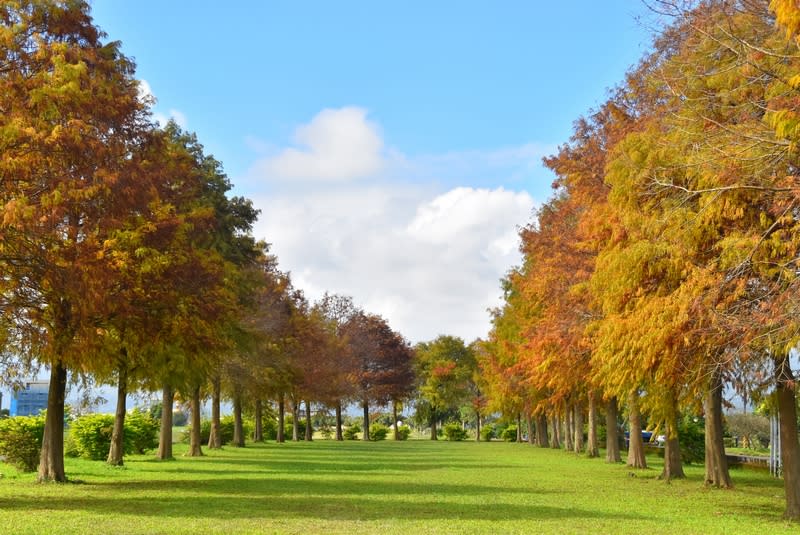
(306, 505)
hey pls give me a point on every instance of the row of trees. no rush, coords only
(665, 265)
(125, 261)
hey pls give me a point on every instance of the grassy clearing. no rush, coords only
(411, 487)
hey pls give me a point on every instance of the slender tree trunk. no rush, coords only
(529, 423)
(592, 449)
(279, 438)
(238, 425)
(215, 437)
(117, 449)
(568, 446)
(309, 430)
(339, 434)
(673, 464)
(258, 430)
(555, 440)
(519, 427)
(394, 419)
(194, 442)
(612, 432)
(477, 426)
(433, 425)
(717, 474)
(577, 427)
(790, 449)
(51, 460)
(365, 407)
(165, 436)
(636, 458)
(295, 421)
(541, 431)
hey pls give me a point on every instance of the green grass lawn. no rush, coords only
(385, 487)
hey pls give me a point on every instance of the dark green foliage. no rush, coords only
(179, 418)
(403, 432)
(509, 434)
(351, 432)
(269, 428)
(454, 432)
(692, 437)
(378, 432)
(488, 432)
(288, 426)
(21, 441)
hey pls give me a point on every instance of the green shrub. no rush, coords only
(692, 439)
(509, 434)
(141, 432)
(21, 441)
(378, 432)
(454, 432)
(403, 432)
(92, 435)
(351, 433)
(488, 432)
(226, 425)
(288, 426)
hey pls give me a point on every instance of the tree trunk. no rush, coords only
(365, 406)
(612, 432)
(279, 438)
(433, 425)
(555, 440)
(541, 431)
(790, 449)
(117, 449)
(519, 427)
(477, 426)
(238, 425)
(258, 430)
(194, 440)
(339, 434)
(165, 436)
(567, 420)
(717, 474)
(636, 458)
(295, 421)
(394, 419)
(529, 422)
(51, 460)
(592, 449)
(309, 430)
(577, 427)
(673, 464)
(215, 437)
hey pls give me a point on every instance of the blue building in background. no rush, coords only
(29, 400)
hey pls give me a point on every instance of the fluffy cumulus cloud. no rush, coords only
(427, 257)
(337, 145)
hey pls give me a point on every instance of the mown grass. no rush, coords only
(385, 487)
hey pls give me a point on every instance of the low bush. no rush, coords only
(226, 426)
(488, 433)
(91, 434)
(403, 432)
(141, 432)
(378, 432)
(454, 432)
(351, 433)
(21, 441)
(509, 434)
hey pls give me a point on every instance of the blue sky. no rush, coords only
(393, 148)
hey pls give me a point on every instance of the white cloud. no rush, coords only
(146, 95)
(337, 145)
(424, 253)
